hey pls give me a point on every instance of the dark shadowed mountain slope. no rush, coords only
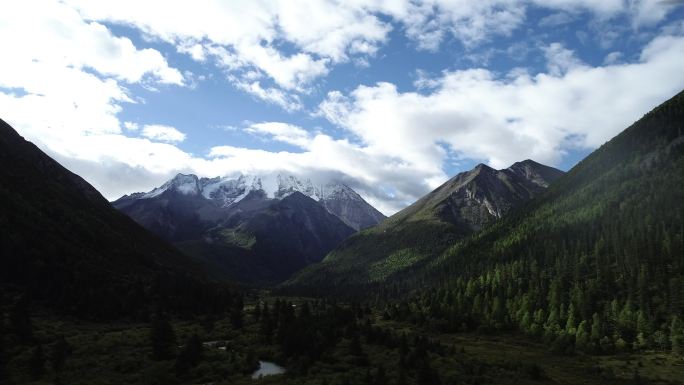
(62, 244)
(460, 206)
(263, 241)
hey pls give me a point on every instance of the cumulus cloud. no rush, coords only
(501, 120)
(64, 79)
(71, 71)
(49, 32)
(282, 132)
(131, 126)
(560, 60)
(246, 37)
(62, 60)
(286, 101)
(292, 43)
(163, 133)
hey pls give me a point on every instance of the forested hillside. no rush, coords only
(64, 247)
(596, 263)
(421, 232)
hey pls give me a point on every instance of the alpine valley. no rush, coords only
(524, 275)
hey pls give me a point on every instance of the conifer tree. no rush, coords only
(677, 336)
(162, 339)
(37, 362)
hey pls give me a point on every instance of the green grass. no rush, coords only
(238, 238)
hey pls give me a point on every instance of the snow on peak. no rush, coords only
(290, 184)
(330, 191)
(227, 191)
(184, 184)
(338, 191)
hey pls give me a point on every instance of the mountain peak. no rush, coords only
(186, 184)
(482, 166)
(536, 173)
(288, 184)
(336, 197)
(526, 162)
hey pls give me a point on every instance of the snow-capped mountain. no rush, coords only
(337, 198)
(252, 228)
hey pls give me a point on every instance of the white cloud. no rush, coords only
(70, 72)
(163, 133)
(131, 126)
(286, 101)
(68, 79)
(612, 58)
(560, 60)
(49, 32)
(248, 38)
(471, 22)
(556, 19)
(282, 132)
(70, 67)
(479, 116)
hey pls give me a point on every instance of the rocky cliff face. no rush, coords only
(483, 194)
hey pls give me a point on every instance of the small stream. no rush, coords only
(267, 369)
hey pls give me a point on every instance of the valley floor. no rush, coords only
(368, 350)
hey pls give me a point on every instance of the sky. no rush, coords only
(391, 97)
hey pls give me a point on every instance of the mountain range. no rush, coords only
(247, 230)
(459, 207)
(475, 282)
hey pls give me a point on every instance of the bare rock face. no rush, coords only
(483, 194)
(472, 198)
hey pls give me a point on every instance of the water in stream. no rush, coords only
(267, 369)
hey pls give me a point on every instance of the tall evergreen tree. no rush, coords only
(162, 339)
(37, 362)
(677, 336)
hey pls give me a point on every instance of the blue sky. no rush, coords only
(391, 97)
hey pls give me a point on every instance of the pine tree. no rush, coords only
(162, 339)
(236, 314)
(59, 353)
(256, 314)
(582, 337)
(380, 376)
(596, 331)
(37, 362)
(626, 322)
(571, 323)
(20, 322)
(3, 354)
(677, 336)
(190, 355)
